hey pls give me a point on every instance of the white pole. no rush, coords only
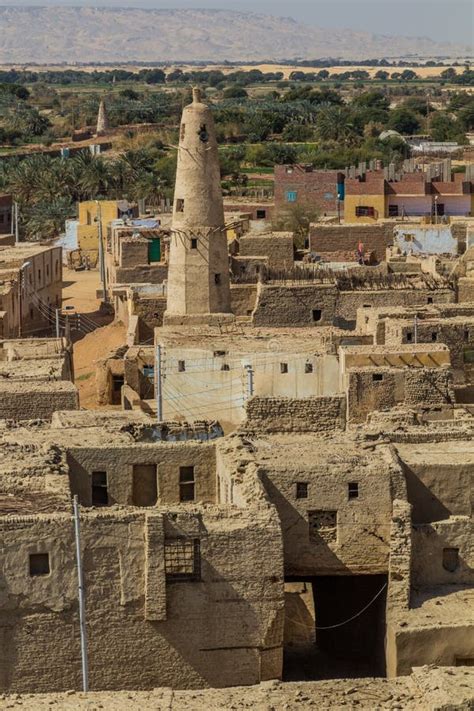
(102, 269)
(416, 327)
(82, 606)
(57, 323)
(159, 385)
(17, 232)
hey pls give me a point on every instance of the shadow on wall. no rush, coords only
(302, 555)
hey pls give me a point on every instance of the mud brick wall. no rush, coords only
(412, 386)
(133, 252)
(349, 301)
(294, 305)
(364, 394)
(242, 298)
(25, 401)
(277, 247)
(145, 274)
(150, 316)
(428, 386)
(340, 242)
(318, 414)
(457, 336)
(465, 290)
(135, 613)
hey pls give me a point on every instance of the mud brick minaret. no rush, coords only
(198, 274)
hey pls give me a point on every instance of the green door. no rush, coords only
(154, 250)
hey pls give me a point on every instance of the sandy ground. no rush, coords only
(226, 69)
(89, 345)
(432, 689)
(79, 290)
(87, 351)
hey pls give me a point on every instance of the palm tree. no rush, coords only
(45, 219)
(93, 175)
(334, 123)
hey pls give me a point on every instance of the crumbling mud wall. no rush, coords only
(317, 414)
(145, 628)
(36, 400)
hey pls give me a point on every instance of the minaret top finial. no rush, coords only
(197, 99)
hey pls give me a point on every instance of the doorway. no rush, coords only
(117, 384)
(354, 649)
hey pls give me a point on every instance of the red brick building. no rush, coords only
(303, 185)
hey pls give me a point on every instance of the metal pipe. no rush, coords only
(159, 385)
(249, 370)
(103, 275)
(82, 605)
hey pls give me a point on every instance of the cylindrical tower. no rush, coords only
(102, 120)
(198, 272)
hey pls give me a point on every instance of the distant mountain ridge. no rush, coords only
(49, 35)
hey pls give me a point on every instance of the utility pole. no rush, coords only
(20, 296)
(249, 370)
(20, 303)
(103, 275)
(82, 605)
(159, 385)
(57, 323)
(415, 324)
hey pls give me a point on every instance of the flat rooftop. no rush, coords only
(443, 606)
(448, 453)
(247, 339)
(334, 452)
(22, 251)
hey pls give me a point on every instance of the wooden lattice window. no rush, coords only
(182, 559)
(323, 526)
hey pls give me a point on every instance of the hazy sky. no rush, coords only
(449, 20)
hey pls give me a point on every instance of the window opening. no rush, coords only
(301, 490)
(100, 495)
(353, 490)
(39, 564)
(186, 484)
(182, 559)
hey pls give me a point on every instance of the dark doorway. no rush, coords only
(117, 384)
(144, 486)
(352, 650)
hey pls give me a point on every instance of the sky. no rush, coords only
(441, 20)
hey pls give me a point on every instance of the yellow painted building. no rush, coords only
(88, 227)
(365, 208)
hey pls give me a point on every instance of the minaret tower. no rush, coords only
(102, 119)
(198, 273)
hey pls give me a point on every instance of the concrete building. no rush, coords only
(198, 276)
(373, 196)
(88, 223)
